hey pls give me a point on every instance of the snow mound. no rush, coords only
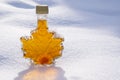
(90, 51)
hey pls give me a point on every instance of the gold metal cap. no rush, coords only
(42, 9)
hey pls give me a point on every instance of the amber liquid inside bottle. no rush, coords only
(42, 47)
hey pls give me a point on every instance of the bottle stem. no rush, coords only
(42, 21)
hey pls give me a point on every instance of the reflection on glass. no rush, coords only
(42, 73)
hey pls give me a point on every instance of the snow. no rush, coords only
(91, 46)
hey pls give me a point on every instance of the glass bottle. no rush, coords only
(42, 47)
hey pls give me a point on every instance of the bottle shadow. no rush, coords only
(42, 73)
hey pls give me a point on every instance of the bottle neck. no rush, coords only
(42, 21)
(41, 16)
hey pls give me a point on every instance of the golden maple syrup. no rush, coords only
(42, 47)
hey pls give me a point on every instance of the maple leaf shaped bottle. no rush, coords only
(42, 47)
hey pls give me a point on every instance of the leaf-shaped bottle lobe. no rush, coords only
(42, 46)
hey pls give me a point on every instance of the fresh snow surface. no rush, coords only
(91, 33)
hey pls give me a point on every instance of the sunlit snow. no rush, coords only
(91, 46)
